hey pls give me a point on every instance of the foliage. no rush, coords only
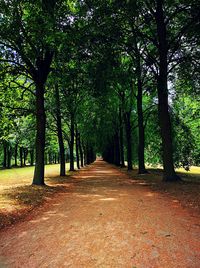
(90, 50)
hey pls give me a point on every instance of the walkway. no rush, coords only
(105, 220)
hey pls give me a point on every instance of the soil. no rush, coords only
(106, 219)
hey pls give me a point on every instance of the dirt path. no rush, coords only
(105, 220)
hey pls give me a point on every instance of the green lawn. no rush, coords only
(24, 176)
(192, 175)
(18, 197)
(193, 170)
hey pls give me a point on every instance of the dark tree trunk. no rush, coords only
(24, 156)
(121, 138)
(21, 156)
(15, 155)
(127, 120)
(72, 143)
(38, 178)
(9, 156)
(4, 154)
(32, 157)
(77, 148)
(141, 133)
(46, 158)
(141, 142)
(40, 74)
(117, 149)
(25, 153)
(67, 154)
(88, 154)
(163, 111)
(93, 154)
(85, 154)
(49, 158)
(81, 151)
(59, 132)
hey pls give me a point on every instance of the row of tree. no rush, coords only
(116, 77)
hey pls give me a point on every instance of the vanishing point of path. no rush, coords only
(104, 220)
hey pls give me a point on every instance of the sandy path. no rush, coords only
(105, 220)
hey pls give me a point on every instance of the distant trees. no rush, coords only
(155, 35)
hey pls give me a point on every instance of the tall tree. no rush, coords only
(59, 131)
(28, 48)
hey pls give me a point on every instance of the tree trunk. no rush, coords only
(87, 154)
(72, 143)
(93, 155)
(4, 154)
(59, 132)
(25, 152)
(9, 156)
(141, 138)
(38, 178)
(127, 119)
(81, 150)
(21, 156)
(121, 138)
(67, 153)
(16, 149)
(32, 157)
(163, 112)
(45, 158)
(39, 75)
(117, 149)
(77, 148)
(48, 159)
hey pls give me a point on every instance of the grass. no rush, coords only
(192, 175)
(23, 176)
(18, 197)
(186, 192)
(193, 170)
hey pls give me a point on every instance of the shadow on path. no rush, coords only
(105, 220)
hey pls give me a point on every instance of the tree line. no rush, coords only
(120, 78)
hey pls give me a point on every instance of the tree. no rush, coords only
(59, 131)
(164, 26)
(30, 49)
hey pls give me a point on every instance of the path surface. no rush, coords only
(105, 220)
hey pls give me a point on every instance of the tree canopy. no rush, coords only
(114, 78)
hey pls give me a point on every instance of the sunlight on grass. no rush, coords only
(23, 176)
(193, 170)
(18, 196)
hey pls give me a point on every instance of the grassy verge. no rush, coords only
(18, 197)
(187, 193)
(21, 176)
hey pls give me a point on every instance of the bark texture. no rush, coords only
(59, 132)
(163, 110)
(127, 121)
